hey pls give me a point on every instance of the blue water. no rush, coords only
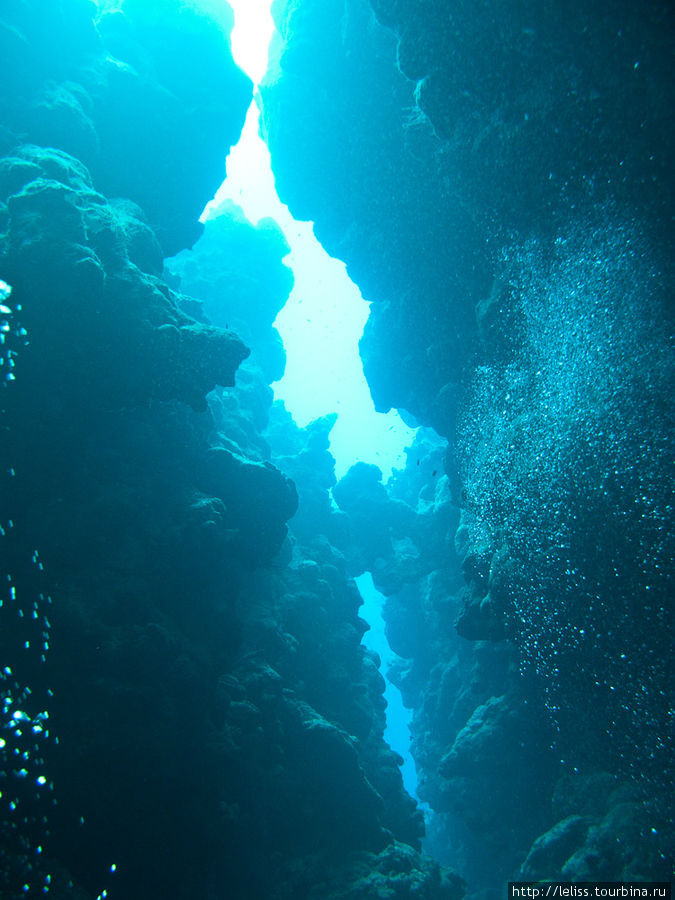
(397, 733)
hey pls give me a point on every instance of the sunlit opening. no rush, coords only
(253, 28)
(323, 320)
(320, 326)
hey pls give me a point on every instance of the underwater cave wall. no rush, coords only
(498, 183)
(215, 728)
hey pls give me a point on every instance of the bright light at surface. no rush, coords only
(253, 28)
(324, 317)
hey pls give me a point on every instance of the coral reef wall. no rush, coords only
(187, 709)
(497, 181)
(148, 99)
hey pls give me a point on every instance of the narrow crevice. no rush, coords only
(437, 401)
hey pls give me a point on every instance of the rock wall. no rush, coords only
(187, 710)
(497, 183)
(148, 99)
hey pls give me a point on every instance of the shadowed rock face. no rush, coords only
(146, 528)
(148, 98)
(182, 675)
(99, 324)
(497, 182)
(235, 270)
(424, 151)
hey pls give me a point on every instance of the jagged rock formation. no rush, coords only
(498, 184)
(237, 275)
(593, 130)
(148, 99)
(187, 708)
(321, 713)
(219, 725)
(471, 709)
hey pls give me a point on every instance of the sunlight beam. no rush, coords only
(253, 28)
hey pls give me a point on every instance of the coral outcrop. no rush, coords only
(146, 96)
(187, 707)
(497, 184)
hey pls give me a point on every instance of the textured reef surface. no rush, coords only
(187, 708)
(498, 183)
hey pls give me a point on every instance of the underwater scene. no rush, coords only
(337, 457)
